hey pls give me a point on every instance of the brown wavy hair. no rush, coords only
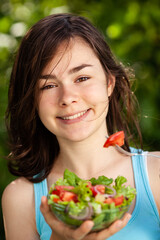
(33, 147)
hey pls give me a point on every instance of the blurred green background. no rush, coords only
(132, 29)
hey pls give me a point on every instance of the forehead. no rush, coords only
(71, 53)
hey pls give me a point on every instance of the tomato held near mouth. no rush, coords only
(116, 138)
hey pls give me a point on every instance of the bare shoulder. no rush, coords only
(153, 164)
(18, 185)
(18, 210)
(153, 161)
(17, 192)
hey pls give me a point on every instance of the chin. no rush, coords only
(77, 136)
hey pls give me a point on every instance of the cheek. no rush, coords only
(96, 94)
(46, 100)
(45, 114)
(45, 105)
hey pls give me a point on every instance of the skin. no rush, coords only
(74, 87)
(71, 90)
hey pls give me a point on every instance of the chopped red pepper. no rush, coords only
(116, 138)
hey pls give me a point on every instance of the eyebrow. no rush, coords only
(78, 68)
(71, 71)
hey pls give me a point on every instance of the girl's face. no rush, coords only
(73, 98)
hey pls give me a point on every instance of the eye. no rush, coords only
(49, 86)
(82, 79)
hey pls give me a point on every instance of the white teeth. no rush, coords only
(74, 116)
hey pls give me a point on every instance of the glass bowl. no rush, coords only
(101, 220)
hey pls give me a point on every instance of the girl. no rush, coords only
(66, 93)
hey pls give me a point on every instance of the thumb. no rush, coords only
(50, 219)
(44, 205)
(45, 210)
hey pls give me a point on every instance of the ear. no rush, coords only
(111, 84)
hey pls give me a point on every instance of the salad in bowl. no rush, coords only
(102, 200)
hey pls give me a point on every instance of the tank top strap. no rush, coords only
(41, 189)
(142, 184)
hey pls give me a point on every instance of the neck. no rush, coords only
(86, 158)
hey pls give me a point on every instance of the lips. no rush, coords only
(74, 116)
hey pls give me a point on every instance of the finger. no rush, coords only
(44, 207)
(52, 221)
(57, 225)
(115, 227)
(83, 230)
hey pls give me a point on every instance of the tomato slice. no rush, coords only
(64, 194)
(108, 200)
(118, 200)
(56, 200)
(116, 138)
(64, 188)
(59, 189)
(68, 196)
(98, 189)
(56, 192)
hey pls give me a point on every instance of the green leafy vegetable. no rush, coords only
(83, 192)
(72, 178)
(101, 180)
(100, 199)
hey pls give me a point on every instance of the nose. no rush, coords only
(68, 95)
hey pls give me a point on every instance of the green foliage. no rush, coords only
(130, 27)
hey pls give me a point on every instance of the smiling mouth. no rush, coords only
(77, 115)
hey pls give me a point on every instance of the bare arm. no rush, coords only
(18, 211)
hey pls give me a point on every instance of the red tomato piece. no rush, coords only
(64, 188)
(56, 200)
(56, 192)
(60, 189)
(116, 138)
(118, 200)
(68, 196)
(108, 200)
(98, 189)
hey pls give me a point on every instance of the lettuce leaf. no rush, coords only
(71, 178)
(127, 191)
(76, 208)
(83, 191)
(101, 180)
(62, 182)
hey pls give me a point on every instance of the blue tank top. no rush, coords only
(145, 221)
